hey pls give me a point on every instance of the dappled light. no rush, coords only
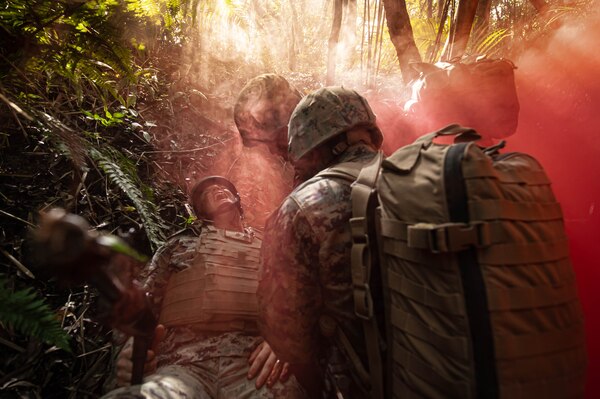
(114, 109)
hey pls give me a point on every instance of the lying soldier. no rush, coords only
(203, 289)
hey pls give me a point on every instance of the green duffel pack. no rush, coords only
(479, 295)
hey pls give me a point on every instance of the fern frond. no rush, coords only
(122, 172)
(28, 314)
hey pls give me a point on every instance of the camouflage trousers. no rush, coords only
(214, 378)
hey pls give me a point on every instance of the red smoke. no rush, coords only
(558, 81)
(263, 179)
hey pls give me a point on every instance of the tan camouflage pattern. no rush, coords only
(219, 290)
(326, 113)
(221, 378)
(306, 263)
(193, 361)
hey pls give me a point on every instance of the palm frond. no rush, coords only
(491, 41)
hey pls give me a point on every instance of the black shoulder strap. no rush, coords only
(476, 304)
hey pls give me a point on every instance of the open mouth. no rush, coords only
(220, 196)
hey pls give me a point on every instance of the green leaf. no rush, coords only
(28, 314)
(122, 172)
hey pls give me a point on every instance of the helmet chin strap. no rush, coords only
(340, 148)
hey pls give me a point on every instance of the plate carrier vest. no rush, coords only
(218, 292)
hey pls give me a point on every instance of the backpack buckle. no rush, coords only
(448, 237)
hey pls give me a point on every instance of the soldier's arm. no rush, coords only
(153, 278)
(289, 293)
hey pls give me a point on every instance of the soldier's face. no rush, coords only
(215, 199)
(311, 164)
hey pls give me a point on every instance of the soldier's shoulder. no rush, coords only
(320, 191)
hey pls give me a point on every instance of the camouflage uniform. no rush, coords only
(306, 260)
(194, 362)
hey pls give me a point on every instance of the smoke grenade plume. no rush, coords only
(558, 81)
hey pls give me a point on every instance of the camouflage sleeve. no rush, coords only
(289, 293)
(155, 276)
(153, 279)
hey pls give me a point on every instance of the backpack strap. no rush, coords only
(462, 134)
(364, 200)
(347, 170)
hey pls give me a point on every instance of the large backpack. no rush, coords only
(479, 293)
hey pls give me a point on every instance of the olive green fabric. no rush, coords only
(517, 234)
(517, 230)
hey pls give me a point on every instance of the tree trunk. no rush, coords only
(349, 21)
(540, 5)
(334, 39)
(433, 49)
(461, 29)
(402, 37)
(482, 16)
(440, 7)
(293, 48)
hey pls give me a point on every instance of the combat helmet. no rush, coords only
(202, 184)
(262, 111)
(326, 113)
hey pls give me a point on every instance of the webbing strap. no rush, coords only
(475, 169)
(513, 346)
(564, 386)
(401, 390)
(450, 130)
(529, 297)
(399, 249)
(346, 170)
(456, 346)
(452, 237)
(513, 210)
(547, 366)
(449, 303)
(393, 228)
(471, 276)
(423, 370)
(444, 237)
(523, 253)
(344, 344)
(363, 195)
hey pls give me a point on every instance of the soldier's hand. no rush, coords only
(264, 363)
(124, 364)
